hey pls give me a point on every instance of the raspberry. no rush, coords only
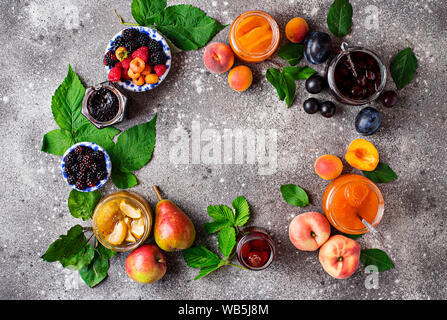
(115, 73)
(158, 57)
(154, 45)
(126, 63)
(142, 53)
(125, 75)
(160, 69)
(110, 59)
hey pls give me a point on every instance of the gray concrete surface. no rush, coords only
(39, 38)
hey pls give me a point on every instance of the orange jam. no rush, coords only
(254, 36)
(348, 199)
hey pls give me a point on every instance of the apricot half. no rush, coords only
(362, 155)
(328, 166)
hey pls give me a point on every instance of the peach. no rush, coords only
(296, 30)
(308, 231)
(240, 78)
(328, 166)
(340, 256)
(362, 155)
(218, 57)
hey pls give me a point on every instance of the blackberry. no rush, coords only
(130, 34)
(154, 45)
(81, 185)
(158, 57)
(79, 158)
(131, 46)
(69, 159)
(79, 150)
(91, 180)
(98, 155)
(142, 40)
(88, 160)
(71, 179)
(82, 167)
(101, 175)
(110, 59)
(119, 42)
(81, 175)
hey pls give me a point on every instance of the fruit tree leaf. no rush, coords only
(66, 246)
(299, 73)
(292, 52)
(382, 174)
(145, 11)
(377, 258)
(339, 17)
(221, 213)
(123, 180)
(403, 67)
(294, 195)
(96, 271)
(200, 257)
(79, 260)
(207, 270)
(290, 88)
(212, 227)
(242, 210)
(188, 27)
(103, 137)
(353, 236)
(275, 77)
(227, 240)
(57, 142)
(82, 204)
(134, 147)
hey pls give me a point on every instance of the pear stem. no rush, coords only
(157, 192)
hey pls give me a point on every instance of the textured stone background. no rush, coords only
(40, 38)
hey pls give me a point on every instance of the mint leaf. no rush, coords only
(339, 17)
(382, 174)
(403, 67)
(123, 180)
(96, 271)
(82, 204)
(57, 142)
(145, 11)
(213, 227)
(294, 195)
(66, 246)
(200, 257)
(275, 77)
(79, 260)
(188, 27)
(377, 258)
(292, 52)
(134, 147)
(299, 73)
(227, 240)
(221, 213)
(242, 210)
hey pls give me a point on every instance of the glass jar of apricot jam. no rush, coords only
(255, 249)
(254, 36)
(348, 199)
(122, 221)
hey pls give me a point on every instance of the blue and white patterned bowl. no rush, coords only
(95, 147)
(154, 34)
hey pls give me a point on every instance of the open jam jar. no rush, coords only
(104, 105)
(255, 249)
(356, 76)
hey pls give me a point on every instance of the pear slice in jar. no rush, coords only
(137, 228)
(118, 234)
(130, 237)
(129, 210)
(107, 217)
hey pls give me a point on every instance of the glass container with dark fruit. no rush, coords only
(255, 249)
(356, 76)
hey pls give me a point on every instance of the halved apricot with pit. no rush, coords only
(362, 155)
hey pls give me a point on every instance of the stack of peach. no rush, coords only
(309, 231)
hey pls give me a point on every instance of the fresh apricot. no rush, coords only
(147, 70)
(151, 78)
(328, 166)
(362, 155)
(218, 57)
(139, 81)
(240, 78)
(132, 74)
(137, 65)
(296, 30)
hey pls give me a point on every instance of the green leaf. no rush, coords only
(292, 52)
(339, 17)
(403, 67)
(96, 271)
(299, 73)
(377, 258)
(227, 240)
(242, 210)
(213, 227)
(79, 260)
(188, 27)
(290, 88)
(103, 137)
(200, 257)
(145, 11)
(123, 180)
(207, 270)
(294, 195)
(57, 142)
(66, 246)
(382, 174)
(353, 236)
(275, 77)
(221, 213)
(82, 204)
(134, 147)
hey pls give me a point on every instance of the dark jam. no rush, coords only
(256, 253)
(103, 105)
(363, 81)
(255, 249)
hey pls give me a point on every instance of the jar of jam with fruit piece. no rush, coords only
(122, 221)
(255, 249)
(356, 75)
(104, 105)
(254, 36)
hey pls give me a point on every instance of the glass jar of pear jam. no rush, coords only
(122, 221)
(348, 199)
(254, 36)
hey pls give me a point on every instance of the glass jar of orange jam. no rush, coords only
(254, 36)
(348, 199)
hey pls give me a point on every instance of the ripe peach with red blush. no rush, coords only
(218, 57)
(308, 231)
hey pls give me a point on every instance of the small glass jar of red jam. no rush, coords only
(255, 249)
(356, 76)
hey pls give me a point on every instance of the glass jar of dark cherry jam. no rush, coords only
(104, 105)
(356, 75)
(255, 249)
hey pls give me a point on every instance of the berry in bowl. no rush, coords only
(137, 59)
(86, 166)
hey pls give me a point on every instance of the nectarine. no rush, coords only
(308, 231)
(218, 57)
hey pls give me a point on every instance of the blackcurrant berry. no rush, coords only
(327, 109)
(311, 105)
